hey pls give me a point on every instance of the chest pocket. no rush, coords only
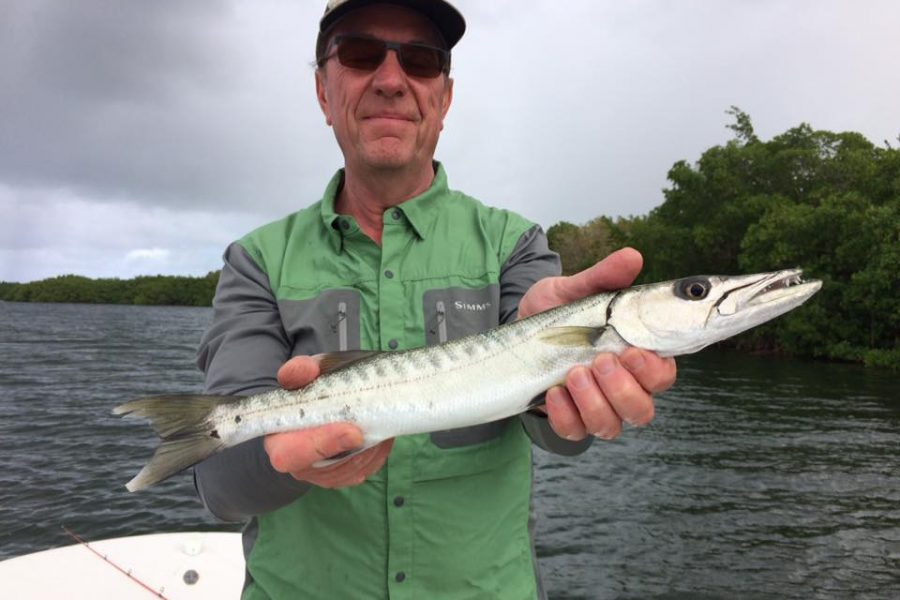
(329, 322)
(450, 314)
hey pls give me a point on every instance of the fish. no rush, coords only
(472, 380)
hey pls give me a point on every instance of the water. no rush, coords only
(63, 457)
(759, 478)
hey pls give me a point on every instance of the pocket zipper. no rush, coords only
(342, 326)
(442, 322)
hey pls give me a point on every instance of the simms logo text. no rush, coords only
(471, 306)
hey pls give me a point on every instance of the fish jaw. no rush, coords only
(664, 318)
(772, 295)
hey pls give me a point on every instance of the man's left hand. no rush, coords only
(614, 389)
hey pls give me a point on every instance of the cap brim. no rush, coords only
(446, 18)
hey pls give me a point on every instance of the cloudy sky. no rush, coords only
(142, 137)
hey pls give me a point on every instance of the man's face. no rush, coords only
(384, 119)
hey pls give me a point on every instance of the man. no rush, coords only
(391, 259)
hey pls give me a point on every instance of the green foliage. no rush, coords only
(7, 288)
(882, 358)
(581, 247)
(155, 290)
(742, 126)
(828, 202)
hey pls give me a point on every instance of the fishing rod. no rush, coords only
(127, 573)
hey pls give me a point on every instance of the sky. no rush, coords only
(143, 137)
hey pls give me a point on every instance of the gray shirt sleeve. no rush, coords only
(531, 261)
(240, 354)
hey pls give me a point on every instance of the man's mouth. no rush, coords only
(388, 116)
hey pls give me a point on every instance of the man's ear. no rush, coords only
(322, 97)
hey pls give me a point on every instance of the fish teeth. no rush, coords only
(782, 284)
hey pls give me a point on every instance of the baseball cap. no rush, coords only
(445, 17)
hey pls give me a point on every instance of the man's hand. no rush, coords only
(295, 452)
(597, 399)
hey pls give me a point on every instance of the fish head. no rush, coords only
(686, 315)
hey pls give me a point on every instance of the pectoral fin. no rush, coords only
(339, 458)
(570, 336)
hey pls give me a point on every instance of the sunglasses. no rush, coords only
(367, 54)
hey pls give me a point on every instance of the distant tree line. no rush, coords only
(827, 202)
(154, 290)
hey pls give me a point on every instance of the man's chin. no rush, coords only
(388, 156)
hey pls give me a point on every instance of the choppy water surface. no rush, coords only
(759, 478)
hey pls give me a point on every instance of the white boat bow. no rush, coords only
(192, 565)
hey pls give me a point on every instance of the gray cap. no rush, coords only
(445, 17)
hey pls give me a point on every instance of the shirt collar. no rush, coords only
(333, 221)
(420, 211)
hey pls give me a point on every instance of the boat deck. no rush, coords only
(189, 565)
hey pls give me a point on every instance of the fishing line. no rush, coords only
(127, 573)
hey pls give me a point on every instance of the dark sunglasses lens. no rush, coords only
(361, 53)
(421, 61)
(367, 55)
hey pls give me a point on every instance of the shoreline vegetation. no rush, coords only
(154, 290)
(827, 202)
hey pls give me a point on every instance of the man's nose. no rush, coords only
(390, 79)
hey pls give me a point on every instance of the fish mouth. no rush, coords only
(779, 291)
(783, 285)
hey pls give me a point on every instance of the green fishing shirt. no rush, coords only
(449, 514)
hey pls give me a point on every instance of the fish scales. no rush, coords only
(390, 403)
(475, 379)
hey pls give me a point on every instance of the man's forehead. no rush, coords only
(391, 22)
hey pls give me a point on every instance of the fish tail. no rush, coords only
(187, 433)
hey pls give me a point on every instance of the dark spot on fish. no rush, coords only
(214, 433)
(237, 419)
(302, 413)
(609, 307)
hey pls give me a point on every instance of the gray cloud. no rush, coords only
(158, 102)
(111, 52)
(44, 234)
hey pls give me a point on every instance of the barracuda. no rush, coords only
(472, 380)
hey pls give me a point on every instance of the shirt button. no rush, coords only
(396, 214)
(399, 501)
(393, 344)
(389, 274)
(400, 576)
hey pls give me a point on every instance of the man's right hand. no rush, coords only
(294, 452)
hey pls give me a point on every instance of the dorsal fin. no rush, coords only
(570, 335)
(332, 361)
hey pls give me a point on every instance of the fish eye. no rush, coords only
(695, 288)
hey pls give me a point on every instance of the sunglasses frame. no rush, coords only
(398, 47)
